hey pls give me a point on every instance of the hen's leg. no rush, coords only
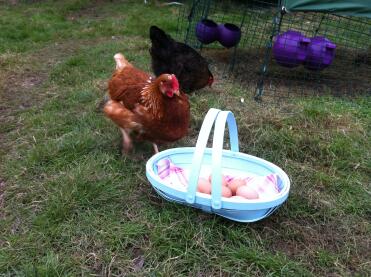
(127, 144)
(155, 148)
(124, 118)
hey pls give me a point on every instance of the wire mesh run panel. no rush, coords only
(317, 54)
(277, 54)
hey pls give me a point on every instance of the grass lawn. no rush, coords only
(71, 205)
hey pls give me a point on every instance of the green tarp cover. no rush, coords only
(352, 7)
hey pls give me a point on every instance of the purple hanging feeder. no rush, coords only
(229, 35)
(320, 53)
(207, 31)
(290, 48)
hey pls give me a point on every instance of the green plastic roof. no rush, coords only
(360, 8)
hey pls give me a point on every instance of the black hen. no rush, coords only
(170, 56)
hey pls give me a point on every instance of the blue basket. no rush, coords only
(218, 158)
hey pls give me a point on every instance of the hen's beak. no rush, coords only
(177, 92)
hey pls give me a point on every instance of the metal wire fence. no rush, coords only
(251, 62)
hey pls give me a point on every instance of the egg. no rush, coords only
(235, 184)
(224, 180)
(247, 192)
(226, 192)
(204, 186)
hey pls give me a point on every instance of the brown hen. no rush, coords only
(145, 108)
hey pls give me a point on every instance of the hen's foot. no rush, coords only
(126, 149)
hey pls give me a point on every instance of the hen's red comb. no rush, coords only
(175, 82)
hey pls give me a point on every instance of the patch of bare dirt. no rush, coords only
(138, 259)
(300, 238)
(31, 81)
(23, 76)
(92, 10)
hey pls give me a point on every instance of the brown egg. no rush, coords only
(224, 180)
(204, 186)
(247, 192)
(226, 192)
(234, 184)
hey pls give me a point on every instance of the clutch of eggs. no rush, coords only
(236, 188)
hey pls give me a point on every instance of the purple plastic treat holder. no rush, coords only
(229, 35)
(207, 31)
(320, 53)
(290, 48)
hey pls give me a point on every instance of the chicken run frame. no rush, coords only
(347, 24)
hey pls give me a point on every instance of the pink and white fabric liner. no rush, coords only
(177, 177)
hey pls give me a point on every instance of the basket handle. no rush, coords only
(216, 158)
(211, 116)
